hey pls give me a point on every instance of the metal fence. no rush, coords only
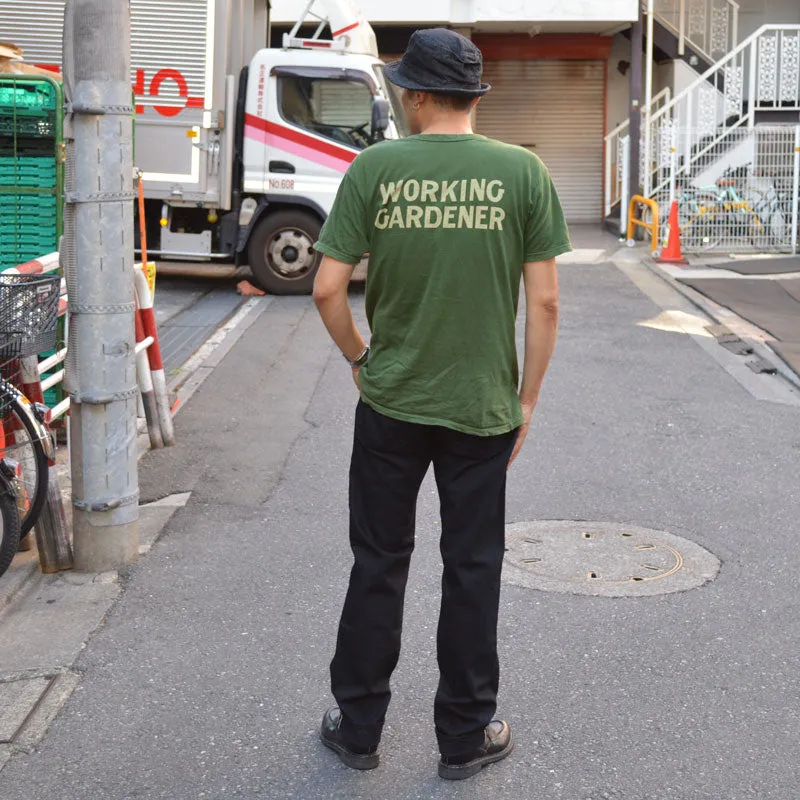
(738, 197)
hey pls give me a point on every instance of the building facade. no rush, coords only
(560, 71)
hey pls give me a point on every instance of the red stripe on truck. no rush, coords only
(292, 135)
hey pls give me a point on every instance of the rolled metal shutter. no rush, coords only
(170, 35)
(36, 26)
(555, 108)
(165, 35)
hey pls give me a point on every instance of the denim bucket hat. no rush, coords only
(439, 60)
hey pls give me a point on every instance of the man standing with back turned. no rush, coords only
(452, 221)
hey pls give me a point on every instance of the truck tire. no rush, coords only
(281, 252)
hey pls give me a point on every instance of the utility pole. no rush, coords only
(97, 255)
(635, 110)
(648, 99)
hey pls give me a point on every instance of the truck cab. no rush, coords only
(306, 117)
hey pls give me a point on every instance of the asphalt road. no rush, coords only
(209, 678)
(189, 308)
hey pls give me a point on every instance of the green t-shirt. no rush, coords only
(448, 221)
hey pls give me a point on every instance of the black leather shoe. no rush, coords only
(331, 735)
(497, 744)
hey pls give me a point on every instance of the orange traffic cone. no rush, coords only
(671, 254)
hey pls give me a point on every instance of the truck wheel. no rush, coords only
(281, 252)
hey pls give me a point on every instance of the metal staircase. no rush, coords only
(758, 81)
(708, 128)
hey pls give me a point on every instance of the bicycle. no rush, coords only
(9, 513)
(775, 208)
(710, 215)
(28, 326)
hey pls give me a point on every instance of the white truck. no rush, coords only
(242, 147)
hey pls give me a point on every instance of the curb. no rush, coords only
(199, 366)
(754, 336)
(17, 580)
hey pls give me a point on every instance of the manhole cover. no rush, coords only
(605, 559)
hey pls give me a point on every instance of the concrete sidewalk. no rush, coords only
(209, 677)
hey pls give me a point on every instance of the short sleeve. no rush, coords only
(344, 234)
(546, 234)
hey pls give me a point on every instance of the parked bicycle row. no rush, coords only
(739, 208)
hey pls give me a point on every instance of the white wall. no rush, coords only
(618, 92)
(755, 13)
(473, 11)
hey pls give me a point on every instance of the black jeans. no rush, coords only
(390, 459)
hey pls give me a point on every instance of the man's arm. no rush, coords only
(541, 325)
(330, 296)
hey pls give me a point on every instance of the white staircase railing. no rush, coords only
(709, 27)
(762, 73)
(614, 152)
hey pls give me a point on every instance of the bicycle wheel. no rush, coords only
(777, 224)
(9, 523)
(24, 445)
(702, 225)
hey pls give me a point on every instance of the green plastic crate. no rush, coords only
(26, 129)
(32, 203)
(26, 96)
(27, 171)
(44, 240)
(28, 212)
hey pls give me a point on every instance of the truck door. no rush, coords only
(303, 127)
(321, 122)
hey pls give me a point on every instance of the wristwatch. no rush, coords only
(360, 361)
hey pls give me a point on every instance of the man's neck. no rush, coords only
(453, 124)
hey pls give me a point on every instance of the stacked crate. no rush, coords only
(29, 202)
(31, 178)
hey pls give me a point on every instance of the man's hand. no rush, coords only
(356, 381)
(522, 432)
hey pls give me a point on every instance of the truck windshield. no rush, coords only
(337, 109)
(392, 92)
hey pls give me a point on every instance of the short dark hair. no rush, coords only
(452, 102)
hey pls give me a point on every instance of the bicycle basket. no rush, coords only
(28, 314)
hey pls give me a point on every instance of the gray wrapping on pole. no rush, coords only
(97, 252)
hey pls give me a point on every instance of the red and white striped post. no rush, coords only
(30, 379)
(159, 378)
(146, 388)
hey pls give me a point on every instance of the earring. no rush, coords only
(415, 106)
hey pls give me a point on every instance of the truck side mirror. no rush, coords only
(380, 117)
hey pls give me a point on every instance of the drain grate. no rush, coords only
(604, 559)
